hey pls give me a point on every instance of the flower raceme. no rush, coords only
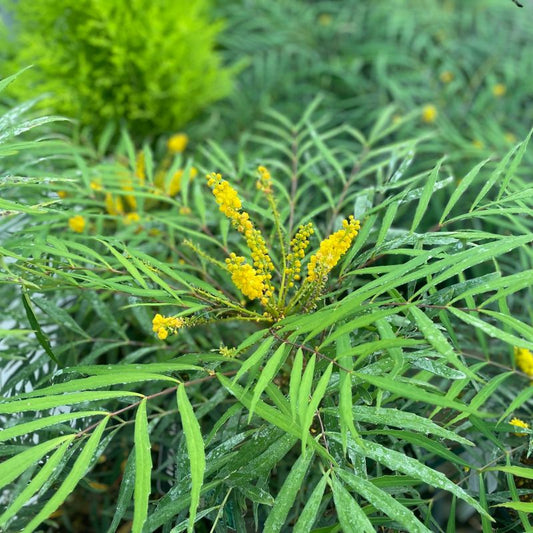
(524, 360)
(254, 281)
(253, 276)
(332, 249)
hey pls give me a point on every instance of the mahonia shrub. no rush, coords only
(151, 63)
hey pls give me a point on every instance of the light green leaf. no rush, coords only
(195, 449)
(143, 468)
(294, 384)
(40, 423)
(78, 471)
(36, 483)
(39, 404)
(255, 358)
(351, 516)
(309, 513)
(287, 494)
(383, 501)
(268, 373)
(12, 468)
(426, 196)
(436, 338)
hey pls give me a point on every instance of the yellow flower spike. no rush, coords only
(298, 245)
(429, 113)
(446, 76)
(524, 360)
(76, 223)
(499, 90)
(264, 183)
(177, 143)
(62, 194)
(331, 250)
(114, 205)
(521, 424)
(175, 183)
(245, 277)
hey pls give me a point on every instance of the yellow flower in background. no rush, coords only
(185, 210)
(429, 113)
(113, 204)
(129, 218)
(446, 76)
(325, 19)
(96, 185)
(476, 143)
(62, 194)
(521, 424)
(174, 186)
(510, 137)
(499, 90)
(524, 360)
(332, 249)
(140, 167)
(177, 143)
(245, 277)
(76, 223)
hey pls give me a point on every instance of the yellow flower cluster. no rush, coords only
(76, 223)
(521, 424)
(264, 183)
(246, 278)
(298, 245)
(524, 360)
(230, 204)
(174, 186)
(331, 250)
(225, 195)
(163, 325)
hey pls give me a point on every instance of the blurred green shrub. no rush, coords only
(151, 63)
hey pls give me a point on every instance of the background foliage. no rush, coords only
(388, 407)
(151, 64)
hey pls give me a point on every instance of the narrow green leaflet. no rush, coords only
(426, 196)
(399, 462)
(345, 390)
(311, 409)
(351, 516)
(78, 471)
(143, 468)
(309, 513)
(268, 373)
(125, 493)
(406, 390)
(41, 337)
(96, 382)
(436, 338)
(518, 471)
(287, 494)
(294, 383)
(128, 265)
(38, 404)
(40, 423)
(460, 189)
(256, 357)
(490, 330)
(195, 449)
(13, 467)
(383, 501)
(36, 483)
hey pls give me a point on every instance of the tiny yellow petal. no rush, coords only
(499, 90)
